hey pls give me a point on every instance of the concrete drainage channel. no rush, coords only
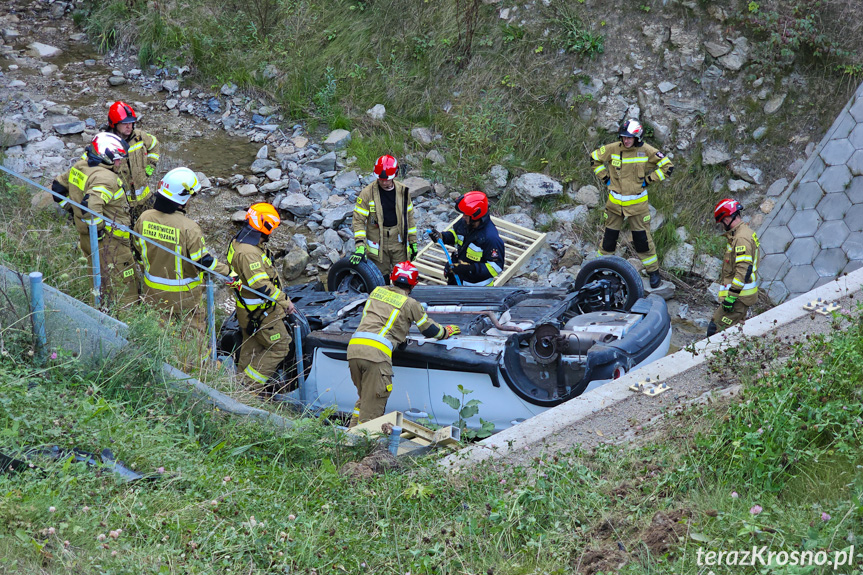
(606, 413)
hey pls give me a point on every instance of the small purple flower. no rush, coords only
(734, 495)
(760, 431)
(825, 516)
(756, 509)
(54, 355)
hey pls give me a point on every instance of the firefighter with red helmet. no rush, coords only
(739, 278)
(480, 255)
(383, 220)
(388, 315)
(266, 340)
(627, 168)
(93, 183)
(142, 159)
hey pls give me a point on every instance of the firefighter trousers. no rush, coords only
(263, 351)
(374, 383)
(117, 270)
(724, 319)
(393, 251)
(639, 223)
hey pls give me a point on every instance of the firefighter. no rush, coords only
(387, 317)
(739, 268)
(481, 255)
(93, 182)
(384, 228)
(627, 167)
(142, 160)
(266, 339)
(171, 284)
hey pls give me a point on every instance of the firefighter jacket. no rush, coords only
(98, 188)
(143, 154)
(387, 317)
(740, 266)
(627, 171)
(253, 265)
(480, 248)
(166, 271)
(368, 223)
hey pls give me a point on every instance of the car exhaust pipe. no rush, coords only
(548, 342)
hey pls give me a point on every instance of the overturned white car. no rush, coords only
(521, 351)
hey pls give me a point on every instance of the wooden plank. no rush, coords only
(521, 243)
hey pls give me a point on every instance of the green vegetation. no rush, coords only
(776, 466)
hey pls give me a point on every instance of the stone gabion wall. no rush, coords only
(816, 234)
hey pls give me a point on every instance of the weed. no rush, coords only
(466, 410)
(574, 35)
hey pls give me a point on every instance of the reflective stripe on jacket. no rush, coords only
(482, 248)
(254, 267)
(740, 266)
(143, 152)
(164, 271)
(368, 222)
(99, 189)
(628, 169)
(387, 317)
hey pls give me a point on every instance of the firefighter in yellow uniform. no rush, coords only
(170, 283)
(739, 278)
(627, 167)
(383, 220)
(266, 340)
(142, 160)
(93, 183)
(387, 317)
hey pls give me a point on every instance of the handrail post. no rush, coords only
(211, 316)
(94, 257)
(37, 308)
(305, 395)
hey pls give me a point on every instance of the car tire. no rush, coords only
(362, 278)
(614, 266)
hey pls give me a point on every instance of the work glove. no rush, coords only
(607, 181)
(279, 254)
(149, 170)
(450, 330)
(412, 251)
(233, 281)
(100, 234)
(434, 235)
(288, 306)
(447, 270)
(358, 256)
(728, 303)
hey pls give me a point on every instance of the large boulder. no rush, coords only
(333, 241)
(533, 186)
(294, 262)
(346, 180)
(325, 163)
(12, 134)
(336, 216)
(679, 257)
(707, 267)
(587, 196)
(417, 186)
(337, 139)
(297, 204)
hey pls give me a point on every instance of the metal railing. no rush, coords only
(94, 251)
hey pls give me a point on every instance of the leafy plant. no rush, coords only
(465, 411)
(575, 36)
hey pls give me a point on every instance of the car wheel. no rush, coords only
(630, 288)
(346, 277)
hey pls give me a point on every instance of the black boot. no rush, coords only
(655, 280)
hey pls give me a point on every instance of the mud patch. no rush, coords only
(665, 531)
(378, 461)
(605, 561)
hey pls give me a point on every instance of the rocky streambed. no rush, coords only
(55, 90)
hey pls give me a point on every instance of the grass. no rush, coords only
(224, 495)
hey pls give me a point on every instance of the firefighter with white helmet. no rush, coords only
(627, 167)
(93, 182)
(170, 283)
(383, 221)
(388, 315)
(739, 278)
